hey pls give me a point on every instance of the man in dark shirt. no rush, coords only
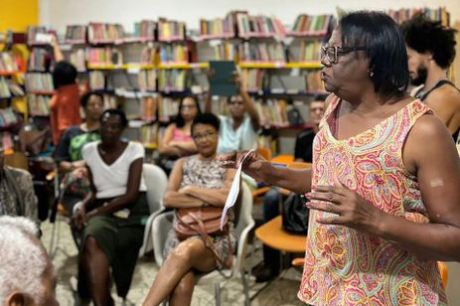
(303, 153)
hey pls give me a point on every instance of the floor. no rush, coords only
(281, 292)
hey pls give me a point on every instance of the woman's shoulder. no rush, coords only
(90, 147)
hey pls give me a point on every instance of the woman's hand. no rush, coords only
(347, 207)
(254, 165)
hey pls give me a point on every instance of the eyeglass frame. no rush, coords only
(337, 50)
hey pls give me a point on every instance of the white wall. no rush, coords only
(59, 13)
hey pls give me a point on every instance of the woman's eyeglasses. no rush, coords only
(331, 53)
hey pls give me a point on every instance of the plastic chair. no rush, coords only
(156, 180)
(163, 223)
(265, 152)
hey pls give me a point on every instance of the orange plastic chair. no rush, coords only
(265, 153)
(444, 273)
(273, 235)
(283, 159)
(298, 262)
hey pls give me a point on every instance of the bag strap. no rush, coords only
(208, 242)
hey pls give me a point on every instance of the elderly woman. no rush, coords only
(112, 215)
(196, 181)
(384, 205)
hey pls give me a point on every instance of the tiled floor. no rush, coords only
(280, 292)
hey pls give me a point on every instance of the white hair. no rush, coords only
(23, 261)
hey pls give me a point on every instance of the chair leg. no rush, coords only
(247, 299)
(217, 291)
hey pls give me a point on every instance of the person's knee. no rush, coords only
(184, 252)
(91, 246)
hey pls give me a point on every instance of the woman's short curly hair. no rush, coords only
(424, 35)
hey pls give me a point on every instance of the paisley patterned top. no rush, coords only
(347, 267)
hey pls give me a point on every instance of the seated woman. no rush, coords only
(111, 217)
(69, 149)
(196, 181)
(177, 140)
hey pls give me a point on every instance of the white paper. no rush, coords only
(234, 191)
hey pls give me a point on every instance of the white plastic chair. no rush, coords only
(156, 181)
(244, 224)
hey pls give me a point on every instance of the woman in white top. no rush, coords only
(112, 215)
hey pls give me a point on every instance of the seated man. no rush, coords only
(17, 197)
(26, 274)
(303, 153)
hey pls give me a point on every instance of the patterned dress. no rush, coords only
(347, 267)
(211, 175)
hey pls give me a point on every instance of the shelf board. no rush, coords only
(281, 65)
(9, 73)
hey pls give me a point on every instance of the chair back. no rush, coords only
(156, 182)
(243, 227)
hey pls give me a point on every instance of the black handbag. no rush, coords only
(295, 214)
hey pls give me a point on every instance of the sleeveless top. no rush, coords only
(344, 266)
(420, 94)
(179, 135)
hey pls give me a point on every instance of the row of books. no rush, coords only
(171, 30)
(7, 117)
(253, 78)
(6, 140)
(39, 60)
(39, 105)
(171, 80)
(39, 82)
(259, 26)
(438, 14)
(105, 56)
(173, 53)
(7, 63)
(311, 24)
(75, 33)
(97, 80)
(147, 80)
(262, 52)
(32, 34)
(78, 59)
(104, 32)
(167, 108)
(217, 27)
(145, 29)
(149, 134)
(4, 88)
(110, 101)
(222, 51)
(309, 51)
(272, 112)
(313, 82)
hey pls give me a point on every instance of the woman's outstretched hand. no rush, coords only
(254, 165)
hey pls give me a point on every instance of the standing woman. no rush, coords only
(111, 216)
(384, 205)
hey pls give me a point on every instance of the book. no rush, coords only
(222, 78)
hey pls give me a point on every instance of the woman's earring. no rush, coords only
(371, 74)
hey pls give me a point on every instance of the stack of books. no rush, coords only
(171, 80)
(78, 59)
(272, 113)
(145, 30)
(253, 78)
(167, 108)
(39, 105)
(147, 80)
(173, 53)
(311, 25)
(169, 30)
(217, 28)
(259, 26)
(7, 63)
(75, 34)
(105, 33)
(104, 56)
(269, 52)
(97, 80)
(309, 51)
(39, 82)
(39, 60)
